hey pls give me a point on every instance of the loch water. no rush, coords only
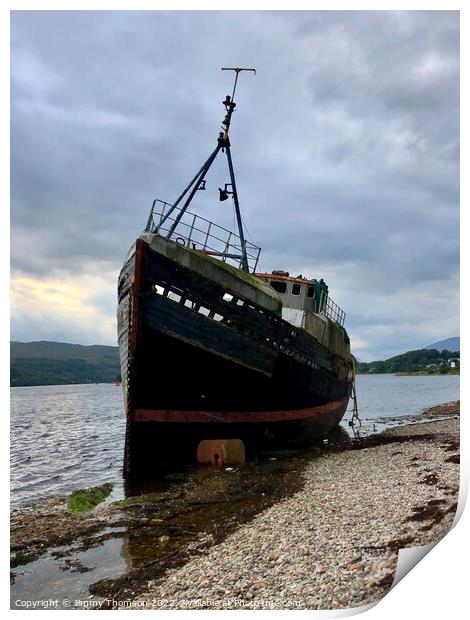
(68, 437)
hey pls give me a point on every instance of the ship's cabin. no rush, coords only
(298, 292)
(302, 296)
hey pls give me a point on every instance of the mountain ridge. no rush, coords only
(44, 362)
(448, 344)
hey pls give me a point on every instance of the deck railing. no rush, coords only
(334, 312)
(197, 233)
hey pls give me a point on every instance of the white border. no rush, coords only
(437, 587)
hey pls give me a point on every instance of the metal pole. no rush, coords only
(191, 230)
(231, 105)
(207, 236)
(204, 170)
(178, 200)
(245, 266)
(235, 85)
(237, 71)
(150, 222)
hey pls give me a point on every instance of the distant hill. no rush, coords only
(451, 344)
(56, 363)
(411, 361)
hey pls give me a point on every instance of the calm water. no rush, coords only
(388, 395)
(72, 436)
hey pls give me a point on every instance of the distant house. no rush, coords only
(453, 362)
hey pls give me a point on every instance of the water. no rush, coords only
(64, 438)
(384, 398)
(46, 578)
(393, 396)
(72, 436)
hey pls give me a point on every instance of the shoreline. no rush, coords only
(424, 373)
(410, 373)
(217, 529)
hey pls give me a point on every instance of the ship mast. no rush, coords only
(198, 182)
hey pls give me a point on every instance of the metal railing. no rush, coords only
(197, 233)
(334, 312)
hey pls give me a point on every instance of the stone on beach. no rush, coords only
(334, 543)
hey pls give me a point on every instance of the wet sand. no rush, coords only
(317, 528)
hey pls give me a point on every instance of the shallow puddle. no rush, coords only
(161, 517)
(66, 582)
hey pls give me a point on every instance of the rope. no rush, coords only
(355, 419)
(246, 229)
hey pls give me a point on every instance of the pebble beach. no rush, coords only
(333, 544)
(318, 529)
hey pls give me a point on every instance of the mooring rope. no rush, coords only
(355, 419)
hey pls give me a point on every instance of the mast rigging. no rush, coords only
(198, 181)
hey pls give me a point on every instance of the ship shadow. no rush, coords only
(165, 459)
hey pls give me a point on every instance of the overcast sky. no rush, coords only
(345, 145)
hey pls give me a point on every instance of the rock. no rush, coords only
(333, 544)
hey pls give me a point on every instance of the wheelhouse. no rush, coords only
(300, 295)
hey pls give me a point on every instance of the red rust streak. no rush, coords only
(168, 415)
(141, 249)
(274, 276)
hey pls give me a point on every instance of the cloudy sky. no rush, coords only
(345, 144)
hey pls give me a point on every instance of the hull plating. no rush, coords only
(199, 360)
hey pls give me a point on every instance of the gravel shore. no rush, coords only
(335, 543)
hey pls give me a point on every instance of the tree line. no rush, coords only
(43, 371)
(428, 360)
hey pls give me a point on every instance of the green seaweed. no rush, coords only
(83, 500)
(131, 501)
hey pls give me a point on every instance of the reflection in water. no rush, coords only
(48, 576)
